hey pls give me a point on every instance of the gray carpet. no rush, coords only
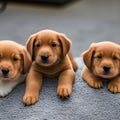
(84, 22)
(85, 103)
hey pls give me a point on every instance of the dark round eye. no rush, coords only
(99, 56)
(53, 45)
(114, 58)
(38, 45)
(15, 59)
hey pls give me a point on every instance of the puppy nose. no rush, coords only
(106, 69)
(44, 57)
(5, 72)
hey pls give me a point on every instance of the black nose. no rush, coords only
(106, 69)
(5, 72)
(44, 57)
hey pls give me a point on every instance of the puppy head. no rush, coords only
(14, 60)
(103, 59)
(48, 47)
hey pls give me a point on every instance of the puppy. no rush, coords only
(14, 64)
(102, 60)
(51, 57)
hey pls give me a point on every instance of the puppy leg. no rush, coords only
(114, 85)
(65, 83)
(92, 80)
(74, 63)
(33, 86)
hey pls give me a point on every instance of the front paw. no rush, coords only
(114, 87)
(64, 91)
(95, 83)
(4, 92)
(30, 99)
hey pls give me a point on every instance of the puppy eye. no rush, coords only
(53, 45)
(99, 56)
(37, 46)
(114, 58)
(15, 59)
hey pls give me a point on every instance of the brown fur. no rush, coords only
(14, 65)
(60, 63)
(15, 58)
(102, 60)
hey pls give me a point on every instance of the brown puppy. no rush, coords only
(102, 60)
(14, 64)
(51, 57)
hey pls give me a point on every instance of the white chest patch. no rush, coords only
(7, 87)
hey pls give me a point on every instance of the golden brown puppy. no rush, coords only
(14, 64)
(102, 60)
(51, 57)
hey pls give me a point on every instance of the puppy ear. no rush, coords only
(65, 42)
(88, 56)
(26, 61)
(30, 45)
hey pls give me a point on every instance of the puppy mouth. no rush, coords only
(47, 60)
(4, 76)
(44, 60)
(106, 73)
(8, 77)
(45, 63)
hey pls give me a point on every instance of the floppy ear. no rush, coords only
(65, 42)
(30, 45)
(26, 61)
(88, 56)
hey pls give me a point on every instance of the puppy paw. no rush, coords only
(95, 83)
(114, 87)
(64, 91)
(30, 99)
(5, 90)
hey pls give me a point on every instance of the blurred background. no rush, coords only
(83, 21)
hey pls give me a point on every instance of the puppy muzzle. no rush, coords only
(106, 70)
(45, 58)
(5, 73)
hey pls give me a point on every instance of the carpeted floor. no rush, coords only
(84, 22)
(85, 103)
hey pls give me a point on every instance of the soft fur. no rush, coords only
(14, 64)
(51, 57)
(102, 60)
